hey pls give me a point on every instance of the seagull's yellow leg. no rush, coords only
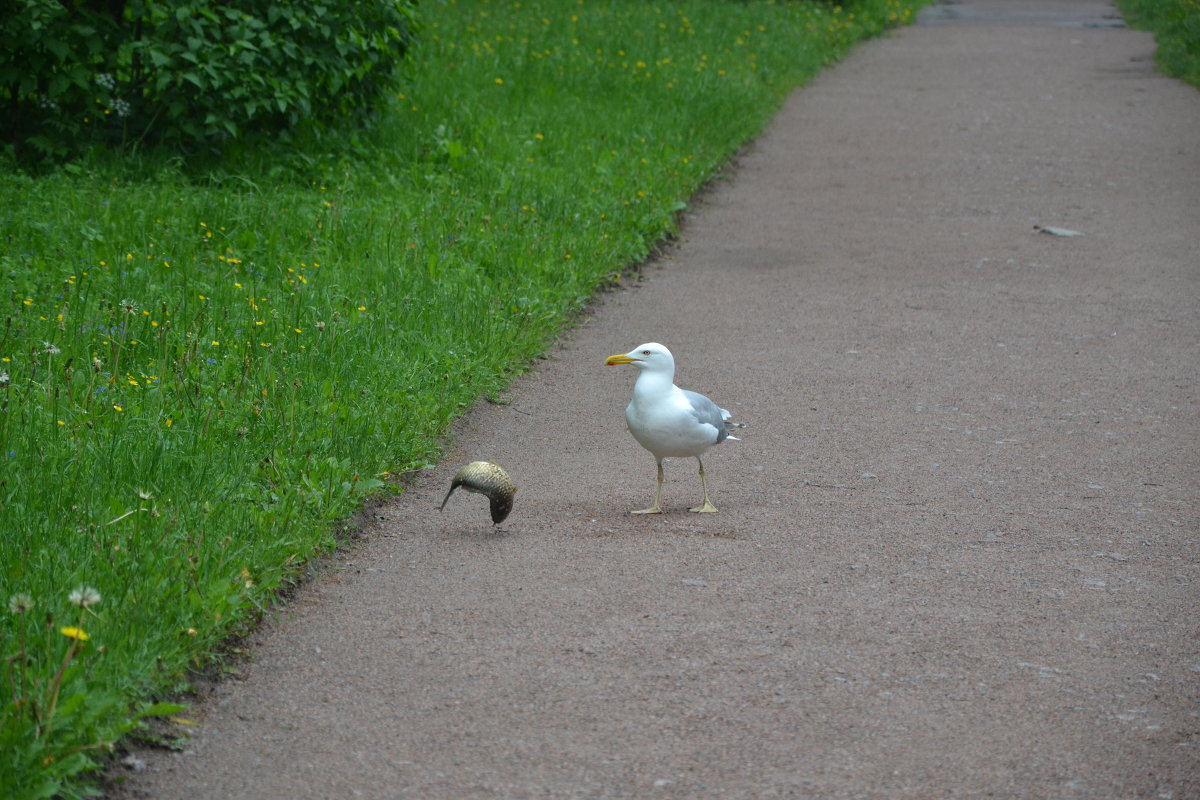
(657, 507)
(706, 507)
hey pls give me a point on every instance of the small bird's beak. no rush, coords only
(619, 358)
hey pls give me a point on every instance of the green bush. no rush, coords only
(76, 73)
(1176, 27)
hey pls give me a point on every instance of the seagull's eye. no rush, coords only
(645, 352)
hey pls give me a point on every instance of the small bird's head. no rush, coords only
(651, 355)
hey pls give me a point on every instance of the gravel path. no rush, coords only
(957, 551)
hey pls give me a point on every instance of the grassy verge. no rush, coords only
(200, 376)
(1176, 28)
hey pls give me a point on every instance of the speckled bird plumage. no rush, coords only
(490, 480)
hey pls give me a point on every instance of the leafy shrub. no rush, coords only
(75, 73)
(1176, 27)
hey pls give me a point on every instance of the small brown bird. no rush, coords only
(489, 479)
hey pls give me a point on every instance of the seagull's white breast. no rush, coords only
(664, 423)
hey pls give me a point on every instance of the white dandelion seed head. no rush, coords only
(20, 603)
(51, 348)
(5, 379)
(84, 597)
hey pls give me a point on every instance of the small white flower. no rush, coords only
(4, 378)
(84, 597)
(19, 603)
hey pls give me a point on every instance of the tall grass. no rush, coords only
(202, 372)
(1176, 27)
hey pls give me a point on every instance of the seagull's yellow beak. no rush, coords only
(619, 358)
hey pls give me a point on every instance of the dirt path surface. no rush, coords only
(957, 549)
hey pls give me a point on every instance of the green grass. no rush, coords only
(203, 371)
(1176, 27)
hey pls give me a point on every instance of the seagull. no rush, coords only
(669, 421)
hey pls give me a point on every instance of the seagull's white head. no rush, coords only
(651, 356)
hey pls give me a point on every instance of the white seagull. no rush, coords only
(669, 421)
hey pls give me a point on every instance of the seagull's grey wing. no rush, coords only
(706, 411)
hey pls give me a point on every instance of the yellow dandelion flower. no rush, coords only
(72, 632)
(117, 408)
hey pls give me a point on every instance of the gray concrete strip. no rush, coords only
(1068, 13)
(957, 551)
